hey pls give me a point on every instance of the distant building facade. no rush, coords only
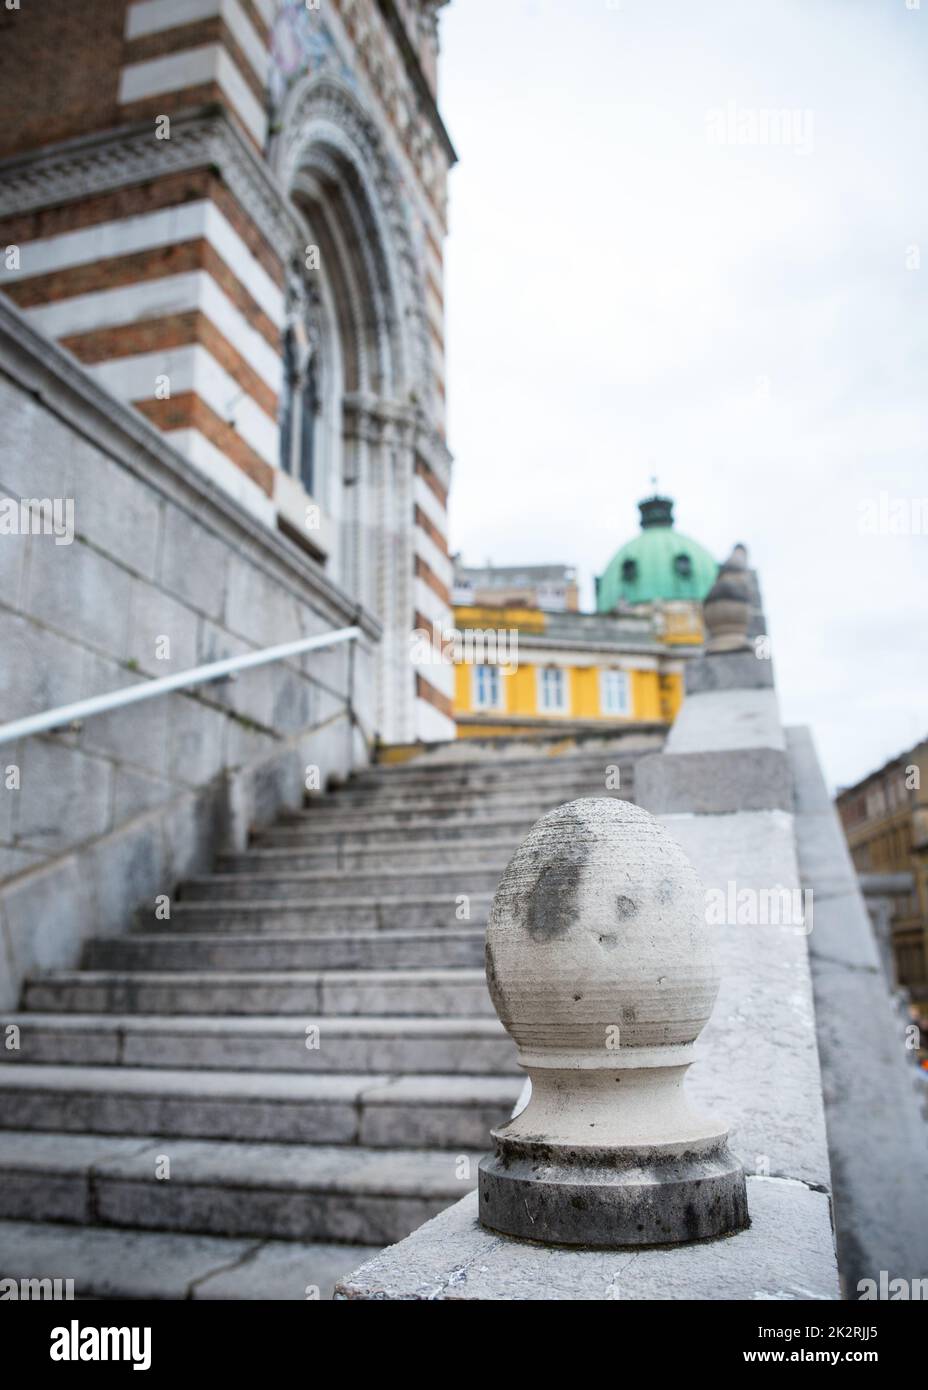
(552, 588)
(563, 672)
(232, 214)
(558, 668)
(885, 820)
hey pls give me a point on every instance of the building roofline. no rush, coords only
(397, 27)
(880, 771)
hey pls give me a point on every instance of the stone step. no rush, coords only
(217, 1187)
(495, 767)
(535, 799)
(328, 824)
(377, 1111)
(424, 854)
(384, 885)
(284, 918)
(143, 1265)
(332, 816)
(495, 800)
(502, 830)
(469, 1046)
(439, 993)
(385, 950)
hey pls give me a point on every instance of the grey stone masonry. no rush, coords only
(152, 571)
(877, 1136)
(730, 671)
(313, 1051)
(756, 1067)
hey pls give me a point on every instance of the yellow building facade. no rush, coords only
(524, 671)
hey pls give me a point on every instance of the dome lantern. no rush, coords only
(659, 564)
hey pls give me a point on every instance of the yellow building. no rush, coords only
(528, 669)
(524, 671)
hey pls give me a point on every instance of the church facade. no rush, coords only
(233, 215)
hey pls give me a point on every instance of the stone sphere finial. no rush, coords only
(726, 608)
(600, 964)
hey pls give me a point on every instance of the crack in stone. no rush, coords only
(237, 1263)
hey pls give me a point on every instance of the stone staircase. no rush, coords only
(301, 1064)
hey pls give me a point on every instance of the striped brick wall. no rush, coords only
(173, 299)
(183, 53)
(166, 286)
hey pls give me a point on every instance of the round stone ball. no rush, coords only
(598, 939)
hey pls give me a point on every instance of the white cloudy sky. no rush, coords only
(626, 297)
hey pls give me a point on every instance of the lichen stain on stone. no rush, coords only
(493, 985)
(552, 905)
(625, 908)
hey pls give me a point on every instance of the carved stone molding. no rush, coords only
(379, 422)
(113, 159)
(322, 113)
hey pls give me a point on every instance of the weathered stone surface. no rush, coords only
(151, 1264)
(127, 870)
(156, 615)
(40, 668)
(757, 1061)
(123, 736)
(113, 512)
(786, 1253)
(45, 914)
(194, 563)
(195, 741)
(157, 550)
(876, 1133)
(743, 779)
(65, 797)
(719, 721)
(12, 564)
(136, 792)
(280, 1270)
(79, 593)
(728, 671)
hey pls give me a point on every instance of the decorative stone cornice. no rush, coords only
(117, 158)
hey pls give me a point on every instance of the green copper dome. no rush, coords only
(660, 563)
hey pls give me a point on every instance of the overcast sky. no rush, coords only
(631, 292)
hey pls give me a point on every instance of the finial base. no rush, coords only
(609, 1198)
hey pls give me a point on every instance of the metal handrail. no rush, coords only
(147, 690)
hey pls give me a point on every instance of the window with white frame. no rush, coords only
(488, 691)
(552, 690)
(615, 692)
